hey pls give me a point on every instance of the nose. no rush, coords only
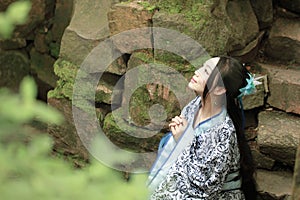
(197, 72)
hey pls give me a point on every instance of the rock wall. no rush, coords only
(296, 181)
(35, 46)
(222, 28)
(262, 34)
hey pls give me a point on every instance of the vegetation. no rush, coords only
(15, 14)
(29, 169)
(66, 71)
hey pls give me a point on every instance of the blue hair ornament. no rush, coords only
(249, 88)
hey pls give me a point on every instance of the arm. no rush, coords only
(179, 123)
(213, 154)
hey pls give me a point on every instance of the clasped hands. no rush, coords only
(177, 126)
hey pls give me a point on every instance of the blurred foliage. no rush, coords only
(16, 14)
(28, 169)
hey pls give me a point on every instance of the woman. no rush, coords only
(208, 156)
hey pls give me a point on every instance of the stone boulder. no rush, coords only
(250, 51)
(264, 12)
(292, 5)
(152, 82)
(219, 27)
(278, 136)
(126, 16)
(40, 43)
(150, 99)
(284, 86)
(62, 17)
(262, 161)
(284, 40)
(296, 180)
(132, 138)
(106, 92)
(5, 3)
(81, 37)
(130, 16)
(274, 185)
(15, 65)
(66, 140)
(40, 12)
(42, 65)
(14, 43)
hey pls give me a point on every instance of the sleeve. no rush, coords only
(210, 164)
(189, 109)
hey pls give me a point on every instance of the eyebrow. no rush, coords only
(209, 67)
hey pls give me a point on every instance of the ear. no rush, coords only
(219, 90)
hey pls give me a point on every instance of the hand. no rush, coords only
(178, 126)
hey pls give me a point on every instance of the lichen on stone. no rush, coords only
(66, 71)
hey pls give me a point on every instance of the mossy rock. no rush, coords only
(123, 140)
(209, 22)
(66, 71)
(141, 102)
(14, 67)
(107, 89)
(162, 59)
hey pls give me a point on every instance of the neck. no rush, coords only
(209, 109)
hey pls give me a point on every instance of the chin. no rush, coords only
(195, 89)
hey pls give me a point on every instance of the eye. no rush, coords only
(197, 71)
(205, 70)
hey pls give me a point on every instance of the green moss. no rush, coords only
(141, 102)
(146, 57)
(117, 129)
(139, 106)
(196, 12)
(54, 49)
(170, 6)
(66, 71)
(148, 6)
(102, 95)
(175, 61)
(198, 15)
(164, 58)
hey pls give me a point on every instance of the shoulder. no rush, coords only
(226, 129)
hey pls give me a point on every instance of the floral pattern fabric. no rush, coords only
(201, 169)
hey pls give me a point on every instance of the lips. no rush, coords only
(193, 80)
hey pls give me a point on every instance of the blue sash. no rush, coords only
(167, 156)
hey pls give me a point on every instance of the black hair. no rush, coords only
(231, 74)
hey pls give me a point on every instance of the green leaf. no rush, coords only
(28, 90)
(18, 11)
(6, 26)
(47, 114)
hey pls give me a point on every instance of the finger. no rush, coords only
(175, 120)
(172, 124)
(179, 119)
(173, 130)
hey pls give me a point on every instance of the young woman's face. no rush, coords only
(198, 81)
